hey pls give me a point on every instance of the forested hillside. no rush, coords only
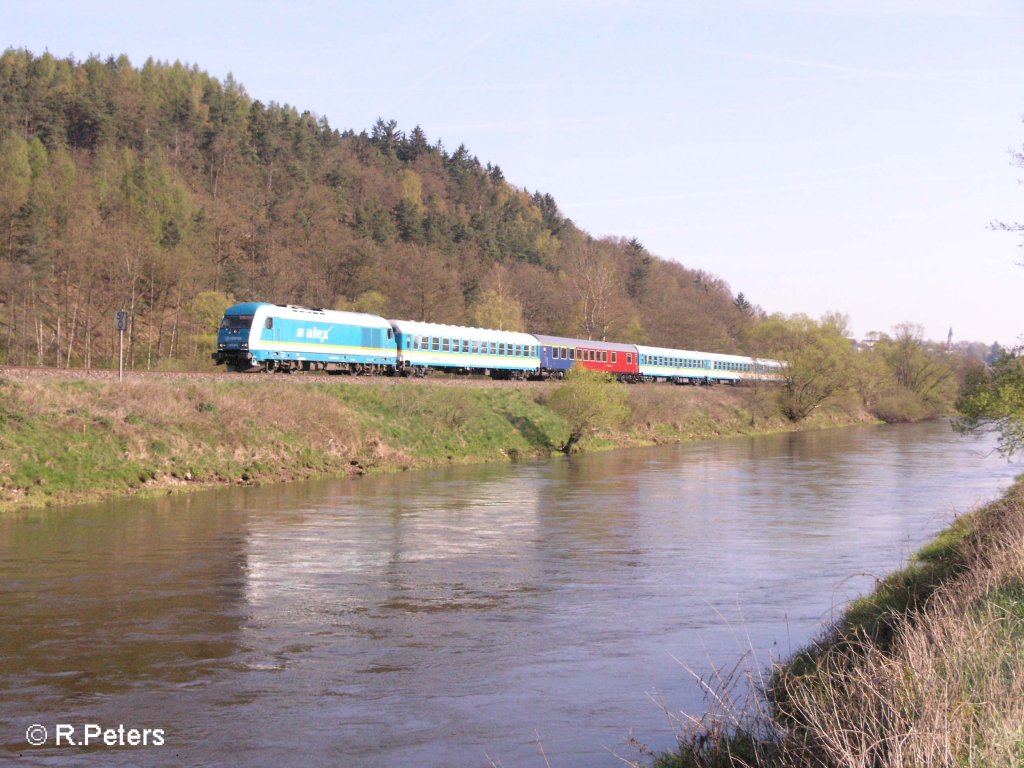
(170, 193)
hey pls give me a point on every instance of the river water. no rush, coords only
(464, 617)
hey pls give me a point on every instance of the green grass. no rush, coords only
(68, 440)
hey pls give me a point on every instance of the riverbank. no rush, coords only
(925, 671)
(68, 438)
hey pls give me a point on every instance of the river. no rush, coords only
(470, 616)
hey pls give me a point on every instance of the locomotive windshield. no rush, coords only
(236, 322)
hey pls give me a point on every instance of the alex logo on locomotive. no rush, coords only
(317, 334)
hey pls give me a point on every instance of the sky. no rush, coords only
(818, 156)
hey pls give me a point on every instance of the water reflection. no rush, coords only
(438, 618)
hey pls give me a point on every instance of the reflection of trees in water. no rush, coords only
(101, 597)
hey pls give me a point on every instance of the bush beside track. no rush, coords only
(72, 436)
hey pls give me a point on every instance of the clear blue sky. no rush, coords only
(816, 155)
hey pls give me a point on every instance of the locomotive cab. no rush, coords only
(233, 337)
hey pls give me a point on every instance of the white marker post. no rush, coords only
(121, 320)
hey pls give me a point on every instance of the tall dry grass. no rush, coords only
(942, 686)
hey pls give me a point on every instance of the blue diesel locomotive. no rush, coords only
(270, 337)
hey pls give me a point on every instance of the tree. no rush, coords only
(588, 401)
(15, 182)
(924, 371)
(993, 401)
(818, 357)
(1017, 157)
(368, 302)
(204, 314)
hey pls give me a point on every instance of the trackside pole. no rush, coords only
(121, 320)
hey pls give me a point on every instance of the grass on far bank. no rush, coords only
(65, 439)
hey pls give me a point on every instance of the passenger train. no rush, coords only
(271, 337)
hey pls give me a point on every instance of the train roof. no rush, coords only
(564, 341)
(666, 352)
(418, 328)
(295, 312)
(246, 308)
(741, 359)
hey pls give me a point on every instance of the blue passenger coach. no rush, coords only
(680, 366)
(459, 349)
(272, 337)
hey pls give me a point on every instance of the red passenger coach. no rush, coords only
(559, 354)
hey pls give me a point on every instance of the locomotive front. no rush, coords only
(233, 337)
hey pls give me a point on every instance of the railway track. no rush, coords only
(20, 372)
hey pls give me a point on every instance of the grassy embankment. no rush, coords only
(65, 439)
(928, 670)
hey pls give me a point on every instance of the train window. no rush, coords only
(445, 344)
(501, 347)
(474, 347)
(465, 346)
(435, 343)
(615, 357)
(269, 323)
(572, 353)
(629, 358)
(236, 322)
(391, 334)
(604, 357)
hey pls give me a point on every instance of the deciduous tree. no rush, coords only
(818, 358)
(588, 400)
(993, 401)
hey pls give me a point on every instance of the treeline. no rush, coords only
(170, 193)
(897, 377)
